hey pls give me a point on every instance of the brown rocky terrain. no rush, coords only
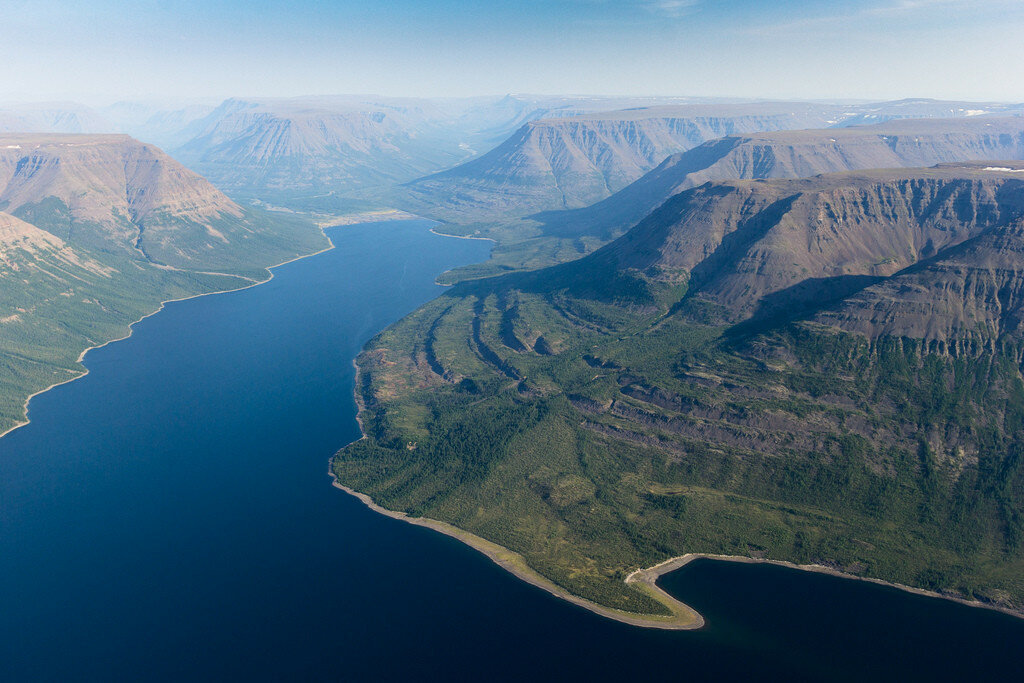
(930, 254)
(797, 154)
(570, 162)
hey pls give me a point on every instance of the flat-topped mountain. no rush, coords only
(113, 192)
(95, 232)
(795, 154)
(925, 108)
(574, 161)
(778, 249)
(822, 370)
(485, 122)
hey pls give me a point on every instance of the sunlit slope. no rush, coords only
(560, 235)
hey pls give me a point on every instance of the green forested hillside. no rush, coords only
(638, 404)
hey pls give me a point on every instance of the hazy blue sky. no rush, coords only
(106, 49)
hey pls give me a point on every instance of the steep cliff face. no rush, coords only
(100, 176)
(768, 249)
(115, 193)
(571, 162)
(797, 154)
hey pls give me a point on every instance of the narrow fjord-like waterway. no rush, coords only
(169, 517)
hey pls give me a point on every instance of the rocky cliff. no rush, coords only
(574, 161)
(796, 154)
(931, 254)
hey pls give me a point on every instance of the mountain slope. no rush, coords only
(823, 370)
(796, 154)
(95, 232)
(575, 161)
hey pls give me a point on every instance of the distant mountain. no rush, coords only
(574, 161)
(305, 146)
(924, 108)
(823, 370)
(795, 154)
(53, 117)
(485, 122)
(95, 232)
(166, 124)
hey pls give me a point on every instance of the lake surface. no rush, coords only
(169, 517)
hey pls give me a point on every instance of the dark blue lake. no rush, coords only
(169, 517)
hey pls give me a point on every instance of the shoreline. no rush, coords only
(460, 237)
(131, 326)
(683, 617)
(680, 561)
(457, 237)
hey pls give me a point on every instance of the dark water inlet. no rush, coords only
(169, 517)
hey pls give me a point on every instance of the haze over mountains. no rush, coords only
(756, 329)
(796, 154)
(320, 149)
(573, 162)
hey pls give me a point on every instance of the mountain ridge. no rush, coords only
(903, 143)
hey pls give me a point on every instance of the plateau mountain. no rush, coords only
(305, 147)
(574, 161)
(796, 154)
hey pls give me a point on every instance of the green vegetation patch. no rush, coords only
(601, 432)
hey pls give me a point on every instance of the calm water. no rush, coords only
(169, 517)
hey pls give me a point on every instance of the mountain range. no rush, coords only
(796, 154)
(573, 162)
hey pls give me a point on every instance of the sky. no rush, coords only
(104, 50)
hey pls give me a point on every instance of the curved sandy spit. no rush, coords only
(683, 617)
